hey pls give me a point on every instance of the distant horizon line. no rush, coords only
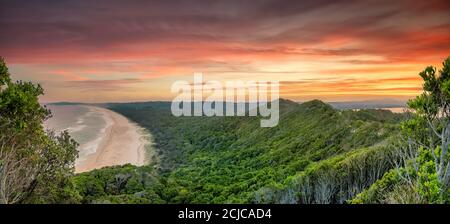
(387, 101)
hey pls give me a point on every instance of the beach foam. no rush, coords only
(106, 138)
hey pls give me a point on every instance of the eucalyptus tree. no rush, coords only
(428, 136)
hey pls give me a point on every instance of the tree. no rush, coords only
(428, 135)
(35, 165)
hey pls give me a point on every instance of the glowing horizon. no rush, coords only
(115, 51)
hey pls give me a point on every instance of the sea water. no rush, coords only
(85, 125)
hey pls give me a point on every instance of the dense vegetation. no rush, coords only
(424, 175)
(234, 160)
(35, 166)
(316, 154)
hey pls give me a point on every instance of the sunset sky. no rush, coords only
(111, 50)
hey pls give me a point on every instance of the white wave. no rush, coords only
(91, 147)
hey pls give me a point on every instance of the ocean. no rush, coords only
(85, 125)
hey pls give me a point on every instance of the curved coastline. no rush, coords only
(122, 142)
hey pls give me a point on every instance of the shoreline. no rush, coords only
(122, 142)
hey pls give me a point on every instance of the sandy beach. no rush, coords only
(121, 142)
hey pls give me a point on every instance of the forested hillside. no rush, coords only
(316, 154)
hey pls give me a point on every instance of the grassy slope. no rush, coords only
(232, 160)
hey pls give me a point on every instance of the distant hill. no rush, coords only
(369, 104)
(65, 103)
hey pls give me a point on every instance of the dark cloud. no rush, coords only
(74, 25)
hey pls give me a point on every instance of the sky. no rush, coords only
(112, 50)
